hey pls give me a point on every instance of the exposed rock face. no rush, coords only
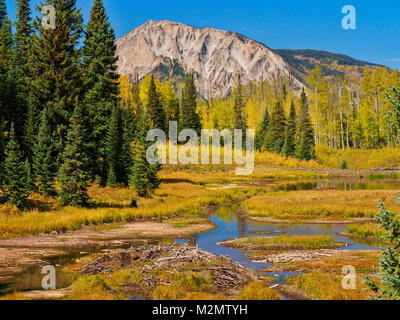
(216, 56)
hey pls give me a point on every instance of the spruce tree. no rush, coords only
(155, 108)
(262, 132)
(189, 115)
(3, 11)
(128, 135)
(289, 148)
(388, 286)
(238, 107)
(56, 76)
(16, 181)
(115, 167)
(305, 149)
(143, 175)
(23, 44)
(43, 158)
(276, 134)
(101, 79)
(72, 177)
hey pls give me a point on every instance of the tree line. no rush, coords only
(63, 123)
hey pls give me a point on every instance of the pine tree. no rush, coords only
(10, 107)
(190, 117)
(43, 158)
(155, 108)
(3, 11)
(56, 76)
(144, 175)
(276, 134)
(238, 107)
(389, 285)
(305, 135)
(101, 79)
(262, 132)
(289, 148)
(16, 183)
(73, 177)
(128, 135)
(23, 44)
(115, 167)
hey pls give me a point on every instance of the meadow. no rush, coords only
(303, 206)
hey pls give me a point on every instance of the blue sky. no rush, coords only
(289, 24)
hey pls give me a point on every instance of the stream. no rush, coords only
(229, 225)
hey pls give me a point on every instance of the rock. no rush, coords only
(216, 56)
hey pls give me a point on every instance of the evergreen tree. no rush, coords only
(238, 107)
(23, 44)
(56, 77)
(143, 176)
(262, 132)
(10, 107)
(276, 134)
(190, 117)
(289, 148)
(305, 135)
(115, 167)
(101, 79)
(72, 176)
(43, 160)
(3, 11)
(155, 108)
(389, 284)
(128, 135)
(16, 182)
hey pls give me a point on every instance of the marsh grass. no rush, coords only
(329, 204)
(113, 206)
(301, 242)
(258, 291)
(326, 286)
(366, 231)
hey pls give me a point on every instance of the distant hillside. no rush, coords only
(302, 61)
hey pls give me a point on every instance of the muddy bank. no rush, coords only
(15, 260)
(18, 254)
(108, 235)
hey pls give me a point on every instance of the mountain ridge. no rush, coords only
(218, 56)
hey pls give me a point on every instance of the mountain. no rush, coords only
(332, 64)
(166, 49)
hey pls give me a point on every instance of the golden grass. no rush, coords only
(325, 286)
(366, 231)
(258, 291)
(388, 158)
(113, 206)
(301, 242)
(330, 204)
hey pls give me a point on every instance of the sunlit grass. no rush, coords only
(300, 242)
(113, 206)
(371, 231)
(325, 286)
(330, 204)
(385, 158)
